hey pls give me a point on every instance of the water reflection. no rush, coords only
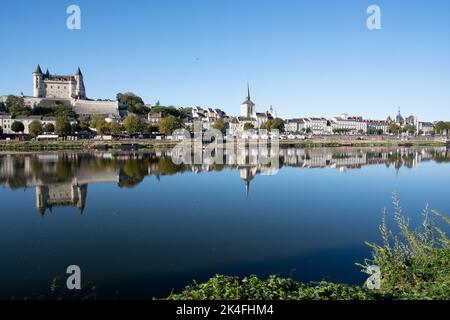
(62, 179)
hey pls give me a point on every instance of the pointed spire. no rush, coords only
(248, 91)
(38, 70)
(247, 188)
(78, 72)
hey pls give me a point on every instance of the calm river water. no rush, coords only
(140, 226)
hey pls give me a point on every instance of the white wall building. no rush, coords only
(317, 126)
(352, 125)
(6, 122)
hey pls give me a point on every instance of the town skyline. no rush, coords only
(233, 113)
(300, 58)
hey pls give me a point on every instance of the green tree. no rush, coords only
(409, 128)
(132, 124)
(3, 107)
(394, 128)
(168, 111)
(249, 126)
(274, 124)
(219, 124)
(96, 122)
(35, 128)
(442, 127)
(62, 127)
(16, 105)
(116, 128)
(134, 103)
(103, 128)
(75, 127)
(49, 127)
(17, 127)
(380, 132)
(169, 124)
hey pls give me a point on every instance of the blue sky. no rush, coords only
(303, 57)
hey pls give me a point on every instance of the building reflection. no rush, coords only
(62, 179)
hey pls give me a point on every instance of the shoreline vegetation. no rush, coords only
(413, 264)
(16, 145)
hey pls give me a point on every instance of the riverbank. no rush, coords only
(165, 144)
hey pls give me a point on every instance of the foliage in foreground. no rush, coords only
(414, 264)
(275, 288)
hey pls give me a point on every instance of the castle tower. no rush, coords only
(41, 199)
(248, 107)
(80, 92)
(38, 83)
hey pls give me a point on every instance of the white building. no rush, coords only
(425, 128)
(58, 86)
(351, 125)
(373, 126)
(295, 125)
(69, 90)
(317, 126)
(6, 122)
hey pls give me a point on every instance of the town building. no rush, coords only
(295, 125)
(349, 125)
(154, 118)
(6, 122)
(425, 128)
(375, 126)
(248, 114)
(317, 126)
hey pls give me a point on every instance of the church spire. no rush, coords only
(78, 72)
(248, 91)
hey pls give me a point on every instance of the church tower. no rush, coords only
(80, 92)
(248, 107)
(38, 83)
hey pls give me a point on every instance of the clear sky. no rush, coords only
(306, 58)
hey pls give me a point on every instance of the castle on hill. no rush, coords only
(69, 90)
(46, 85)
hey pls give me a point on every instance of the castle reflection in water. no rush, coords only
(61, 179)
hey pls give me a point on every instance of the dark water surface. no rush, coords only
(140, 225)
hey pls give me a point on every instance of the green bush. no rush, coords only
(415, 264)
(274, 288)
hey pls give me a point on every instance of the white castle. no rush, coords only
(58, 86)
(69, 90)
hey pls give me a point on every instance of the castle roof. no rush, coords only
(38, 70)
